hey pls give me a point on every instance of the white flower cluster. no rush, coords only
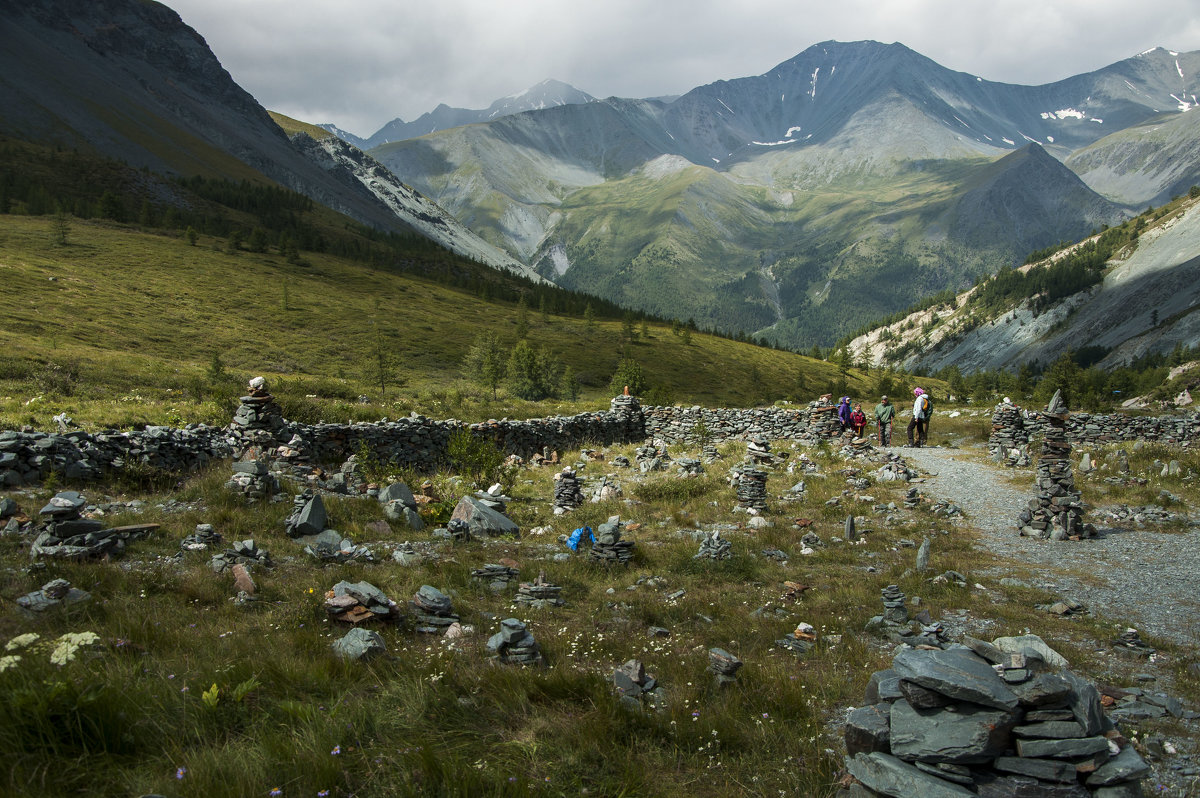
(62, 650)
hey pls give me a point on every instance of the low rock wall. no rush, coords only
(794, 422)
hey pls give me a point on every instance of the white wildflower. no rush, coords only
(69, 644)
(9, 661)
(22, 641)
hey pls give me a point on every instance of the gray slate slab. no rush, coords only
(958, 673)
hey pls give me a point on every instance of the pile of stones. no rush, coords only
(244, 552)
(568, 491)
(636, 688)
(432, 610)
(202, 539)
(514, 644)
(894, 622)
(651, 458)
(56, 592)
(258, 409)
(714, 547)
(359, 602)
(799, 641)
(609, 548)
(67, 535)
(758, 452)
(751, 486)
(987, 720)
(689, 467)
(399, 504)
(708, 451)
(497, 576)
(539, 593)
(254, 480)
(308, 515)
(481, 519)
(1130, 643)
(1009, 441)
(724, 666)
(606, 490)
(1057, 511)
(330, 546)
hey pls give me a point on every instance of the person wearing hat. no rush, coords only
(885, 411)
(920, 419)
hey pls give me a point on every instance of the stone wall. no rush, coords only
(1098, 429)
(794, 422)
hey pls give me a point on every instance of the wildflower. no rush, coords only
(337, 749)
(179, 772)
(322, 793)
(21, 641)
(69, 644)
(9, 661)
(275, 792)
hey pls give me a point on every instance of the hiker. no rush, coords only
(843, 412)
(919, 423)
(885, 411)
(858, 420)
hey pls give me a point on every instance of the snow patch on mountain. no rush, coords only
(1063, 113)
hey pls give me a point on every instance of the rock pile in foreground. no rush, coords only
(982, 721)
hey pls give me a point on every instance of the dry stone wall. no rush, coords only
(1011, 424)
(679, 425)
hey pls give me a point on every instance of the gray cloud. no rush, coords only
(361, 63)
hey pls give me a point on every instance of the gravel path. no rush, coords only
(1148, 579)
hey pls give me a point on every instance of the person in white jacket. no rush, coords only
(920, 419)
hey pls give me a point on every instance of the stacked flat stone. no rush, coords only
(330, 546)
(912, 498)
(495, 575)
(67, 535)
(609, 548)
(568, 491)
(650, 458)
(432, 610)
(1057, 511)
(989, 723)
(799, 641)
(539, 593)
(360, 602)
(203, 538)
(399, 504)
(751, 490)
(56, 592)
(1009, 441)
(308, 515)
(758, 452)
(493, 498)
(254, 480)
(243, 552)
(258, 409)
(1129, 642)
(708, 452)
(630, 421)
(689, 467)
(636, 687)
(458, 530)
(724, 666)
(714, 547)
(514, 645)
(621, 461)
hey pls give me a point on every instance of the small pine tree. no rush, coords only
(522, 319)
(485, 362)
(62, 227)
(191, 235)
(589, 319)
(628, 374)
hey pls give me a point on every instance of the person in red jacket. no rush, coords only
(858, 420)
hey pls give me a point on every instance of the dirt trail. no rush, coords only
(1142, 577)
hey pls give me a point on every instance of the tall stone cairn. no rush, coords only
(629, 409)
(1057, 510)
(751, 490)
(258, 410)
(1009, 441)
(568, 491)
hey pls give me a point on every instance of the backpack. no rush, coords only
(928, 414)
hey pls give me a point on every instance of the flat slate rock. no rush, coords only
(1125, 766)
(970, 735)
(958, 673)
(886, 774)
(868, 729)
(1062, 749)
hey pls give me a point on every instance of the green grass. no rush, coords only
(119, 327)
(433, 718)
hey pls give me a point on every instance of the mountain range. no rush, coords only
(839, 186)
(796, 206)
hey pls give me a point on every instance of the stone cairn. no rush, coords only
(360, 602)
(630, 420)
(329, 546)
(54, 593)
(1009, 441)
(568, 491)
(243, 552)
(689, 467)
(67, 535)
(399, 504)
(799, 641)
(986, 721)
(758, 452)
(714, 547)
(432, 610)
(308, 515)
(609, 548)
(751, 489)
(651, 458)
(497, 576)
(258, 410)
(708, 451)
(514, 645)
(253, 479)
(724, 666)
(1057, 511)
(636, 687)
(203, 538)
(539, 593)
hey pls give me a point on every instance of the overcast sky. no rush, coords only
(362, 63)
